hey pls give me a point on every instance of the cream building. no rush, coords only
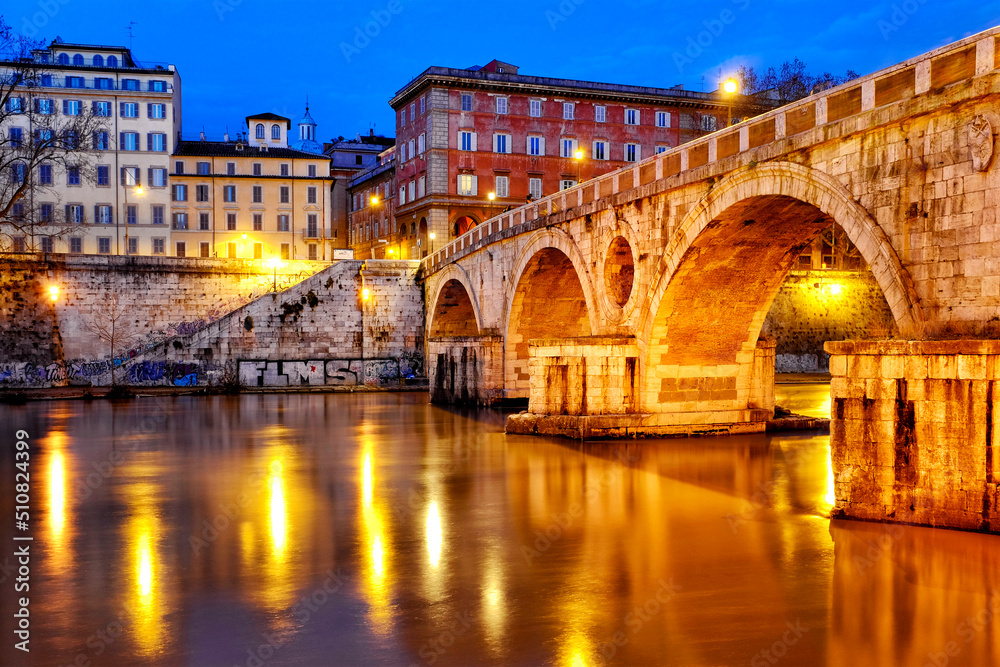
(251, 197)
(120, 202)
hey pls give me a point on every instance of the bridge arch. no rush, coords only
(550, 295)
(454, 306)
(723, 267)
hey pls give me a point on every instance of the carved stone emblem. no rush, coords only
(980, 142)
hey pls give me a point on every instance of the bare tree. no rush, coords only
(37, 137)
(110, 323)
(788, 83)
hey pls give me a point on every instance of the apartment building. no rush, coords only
(374, 232)
(112, 195)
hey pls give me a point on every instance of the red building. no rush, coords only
(464, 134)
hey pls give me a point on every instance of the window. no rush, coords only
(180, 220)
(567, 147)
(632, 153)
(501, 105)
(102, 109)
(230, 169)
(201, 193)
(75, 245)
(503, 186)
(660, 148)
(283, 194)
(662, 119)
(536, 145)
(102, 214)
(422, 101)
(74, 214)
(284, 169)
(259, 131)
(412, 152)
(312, 171)
(72, 176)
(19, 173)
(258, 251)
(566, 184)
(78, 60)
(568, 109)
(311, 227)
(17, 211)
(180, 192)
(402, 118)
(129, 141)
(15, 105)
(46, 213)
(112, 61)
(204, 223)
(181, 249)
(258, 194)
(104, 245)
(44, 107)
(104, 83)
(158, 177)
(179, 167)
(159, 246)
(98, 61)
(535, 108)
(600, 151)
(131, 214)
(63, 59)
(276, 132)
(156, 142)
(130, 84)
(283, 224)
(45, 174)
(258, 222)
(311, 194)
(130, 176)
(102, 140)
(257, 169)
(46, 244)
(71, 140)
(631, 116)
(72, 107)
(357, 160)
(501, 143)
(284, 250)
(158, 86)
(16, 137)
(133, 246)
(203, 169)
(230, 221)
(413, 110)
(158, 212)
(600, 113)
(19, 244)
(313, 253)
(466, 102)
(43, 135)
(205, 249)
(129, 110)
(229, 193)
(74, 82)
(231, 250)
(709, 123)
(411, 193)
(467, 140)
(466, 184)
(421, 186)
(421, 143)
(402, 195)
(402, 153)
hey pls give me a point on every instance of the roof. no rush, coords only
(88, 47)
(269, 116)
(228, 149)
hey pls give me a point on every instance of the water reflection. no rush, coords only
(458, 545)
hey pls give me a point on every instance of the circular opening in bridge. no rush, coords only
(619, 271)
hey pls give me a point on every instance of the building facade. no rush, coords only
(348, 158)
(115, 198)
(463, 135)
(374, 232)
(251, 197)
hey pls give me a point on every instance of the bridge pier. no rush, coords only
(465, 370)
(914, 432)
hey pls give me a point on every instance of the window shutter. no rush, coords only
(149, 110)
(494, 142)
(638, 152)
(475, 185)
(149, 141)
(69, 216)
(65, 107)
(475, 141)
(123, 175)
(97, 213)
(541, 147)
(121, 108)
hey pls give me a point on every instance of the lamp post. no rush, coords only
(491, 196)
(430, 250)
(578, 156)
(138, 191)
(730, 87)
(274, 263)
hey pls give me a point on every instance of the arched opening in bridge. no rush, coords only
(705, 353)
(619, 271)
(548, 303)
(463, 224)
(453, 314)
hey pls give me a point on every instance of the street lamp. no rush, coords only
(139, 192)
(491, 196)
(430, 250)
(730, 86)
(274, 263)
(54, 293)
(578, 156)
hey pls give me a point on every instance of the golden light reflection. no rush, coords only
(366, 479)
(493, 604)
(376, 566)
(146, 600)
(278, 518)
(831, 493)
(57, 495)
(434, 534)
(145, 573)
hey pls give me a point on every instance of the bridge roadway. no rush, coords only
(632, 304)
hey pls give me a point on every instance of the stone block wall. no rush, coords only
(465, 370)
(913, 434)
(582, 376)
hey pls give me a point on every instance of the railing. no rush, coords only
(90, 83)
(971, 57)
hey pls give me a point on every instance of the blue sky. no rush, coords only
(238, 57)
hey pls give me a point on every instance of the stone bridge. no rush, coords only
(632, 304)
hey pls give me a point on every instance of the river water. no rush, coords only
(376, 529)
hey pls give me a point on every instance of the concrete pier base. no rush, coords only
(914, 432)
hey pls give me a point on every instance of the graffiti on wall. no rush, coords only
(31, 375)
(327, 372)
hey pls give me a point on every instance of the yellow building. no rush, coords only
(250, 197)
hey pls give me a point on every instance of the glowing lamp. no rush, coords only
(54, 293)
(729, 86)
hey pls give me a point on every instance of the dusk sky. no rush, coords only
(238, 57)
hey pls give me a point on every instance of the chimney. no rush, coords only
(203, 136)
(225, 137)
(371, 132)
